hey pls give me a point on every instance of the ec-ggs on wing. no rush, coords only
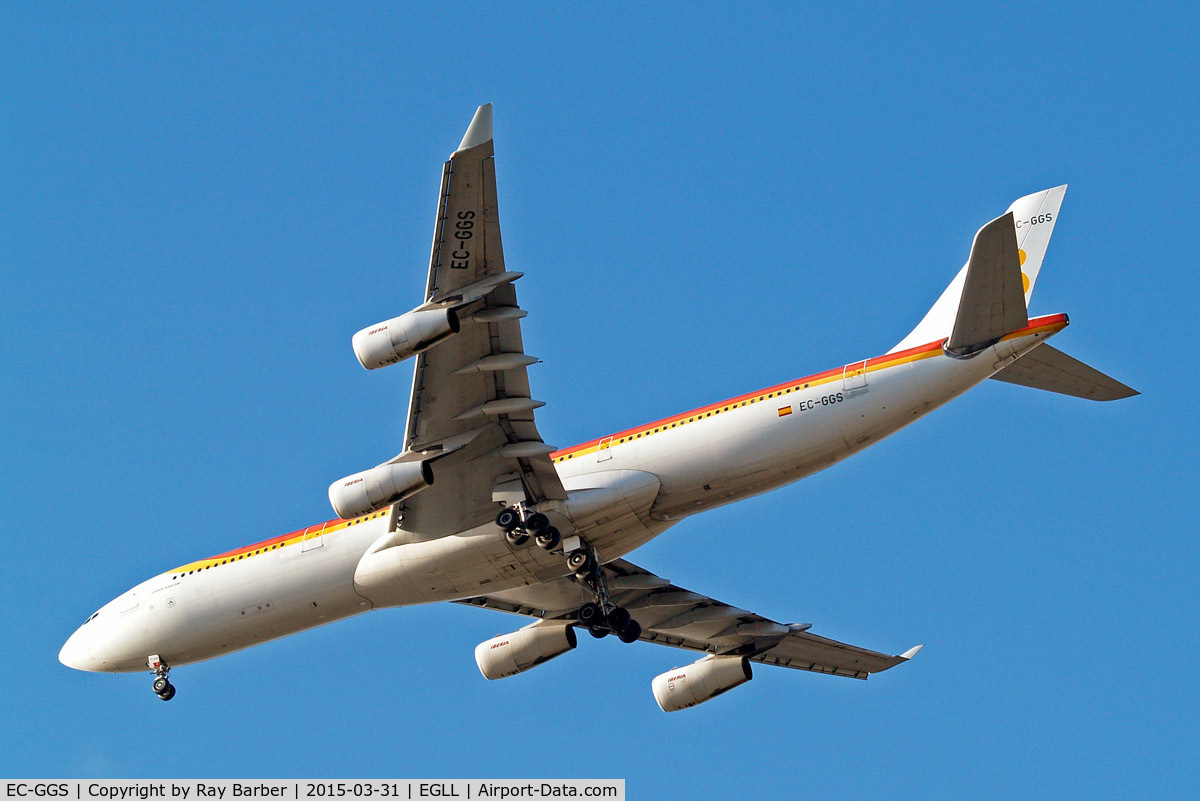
(732, 638)
(470, 418)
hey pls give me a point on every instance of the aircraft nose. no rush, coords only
(76, 653)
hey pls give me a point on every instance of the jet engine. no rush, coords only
(399, 338)
(510, 654)
(378, 488)
(698, 682)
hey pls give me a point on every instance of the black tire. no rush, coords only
(630, 632)
(160, 685)
(599, 631)
(168, 693)
(536, 523)
(549, 539)
(619, 618)
(579, 562)
(589, 614)
(516, 537)
(508, 519)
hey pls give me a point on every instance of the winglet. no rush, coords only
(480, 129)
(911, 652)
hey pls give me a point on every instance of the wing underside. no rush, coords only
(679, 618)
(471, 409)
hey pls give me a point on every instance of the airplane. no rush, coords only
(478, 510)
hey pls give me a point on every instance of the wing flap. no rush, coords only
(805, 651)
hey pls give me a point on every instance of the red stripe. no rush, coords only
(275, 540)
(799, 382)
(1036, 323)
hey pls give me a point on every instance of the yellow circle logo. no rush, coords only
(1024, 282)
(1021, 255)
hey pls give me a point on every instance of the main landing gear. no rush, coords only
(519, 524)
(600, 617)
(162, 686)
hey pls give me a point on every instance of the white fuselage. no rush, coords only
(624, 490)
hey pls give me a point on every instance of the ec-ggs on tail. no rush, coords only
(477, 509)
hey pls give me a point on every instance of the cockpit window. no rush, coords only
(90, 619)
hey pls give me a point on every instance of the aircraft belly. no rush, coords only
(755, 450)
(610, 509)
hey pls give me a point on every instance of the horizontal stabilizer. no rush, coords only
(1050, 369)
(993, 298)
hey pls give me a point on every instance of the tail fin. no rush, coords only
(1033, 218)
(992, 302)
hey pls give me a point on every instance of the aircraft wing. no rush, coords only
(673, 616)
(471, 408)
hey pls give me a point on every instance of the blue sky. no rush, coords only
(199, 207)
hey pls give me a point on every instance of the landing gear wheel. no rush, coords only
(619, 619)
(580, 562)
(599, 631)
(162, 684)
(517, 537)
(630, 632)
(549, 539)
(536, 523)
(509, 519)
(590, 614)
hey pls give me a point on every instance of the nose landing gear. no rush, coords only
(162, 686)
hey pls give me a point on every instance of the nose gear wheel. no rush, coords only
(162, 685)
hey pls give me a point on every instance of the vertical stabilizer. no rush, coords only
(1034, 217)
(992, 303)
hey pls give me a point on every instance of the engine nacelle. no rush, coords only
(378, 488)
(510, 654)
(698, 682)
(399, 338)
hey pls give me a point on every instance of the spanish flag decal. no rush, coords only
(784, 411)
